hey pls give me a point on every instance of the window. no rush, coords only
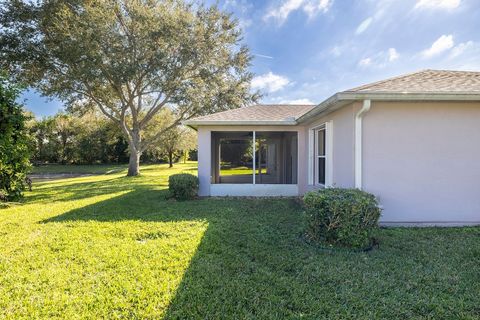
(320, 156)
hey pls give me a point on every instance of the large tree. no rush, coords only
(175, 142)
(129, 58)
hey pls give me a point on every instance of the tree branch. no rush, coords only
(157, 136)
(156, 106)
(99, 104)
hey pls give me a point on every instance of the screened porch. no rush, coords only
(254, 157)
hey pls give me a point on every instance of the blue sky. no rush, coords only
(306, 50)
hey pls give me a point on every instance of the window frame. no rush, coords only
(318, 156)
(328, 156)
(217, 163)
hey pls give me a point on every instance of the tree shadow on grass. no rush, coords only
(137, 203)
(71, 190)
(244, 247)
(252, 263)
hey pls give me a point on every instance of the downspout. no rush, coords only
(253, 157)
(358, 142)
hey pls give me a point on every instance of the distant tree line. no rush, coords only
(90, 138)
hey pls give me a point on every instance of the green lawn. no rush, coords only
(240, 171)
(74, 169)
(109, 246)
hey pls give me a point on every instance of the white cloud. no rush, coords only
(364, 25)
(380, 59)
(461, 48)
(270, 82)
(310, 7)
(440, 45)
(464, 56)
(365, 62)
(281, 13)
(392, 54)
(437, 4)
(298, 101)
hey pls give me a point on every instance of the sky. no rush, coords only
(306, 50)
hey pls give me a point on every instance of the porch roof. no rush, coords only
(259, 114)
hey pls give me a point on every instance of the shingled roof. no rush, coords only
(427, 81)
(425, 85)
(260, 113)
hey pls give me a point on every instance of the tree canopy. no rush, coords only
(128, 58)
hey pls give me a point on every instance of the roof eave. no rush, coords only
(333, 103)
(411, 96)
(197, 123)
(340, 99)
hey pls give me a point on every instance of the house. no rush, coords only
(412, 140)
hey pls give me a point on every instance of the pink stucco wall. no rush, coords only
(343, 125)
(423, 160)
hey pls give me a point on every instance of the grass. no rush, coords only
(240, 171)
(109, 246)
(79, 169)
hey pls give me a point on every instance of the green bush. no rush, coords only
(342, 217)
(183, 186)
(14, 143)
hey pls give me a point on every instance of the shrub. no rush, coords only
(183, 186)
(14, 143)
(342, 217)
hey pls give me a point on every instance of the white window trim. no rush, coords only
(313, 155)
(329, 154)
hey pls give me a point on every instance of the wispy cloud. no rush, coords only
(364, 25)
(269, 82)
(365, 62)
(281, 13)
(310, 7)
(459, 49)
(380, 59)
(262, 56)
(392, 54)
(437, 4)
(464, 56)
(298, 101)
(244, 23)
(442, 44)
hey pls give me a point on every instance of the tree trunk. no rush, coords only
(134, 164)
(170, 159)
(135, 153)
